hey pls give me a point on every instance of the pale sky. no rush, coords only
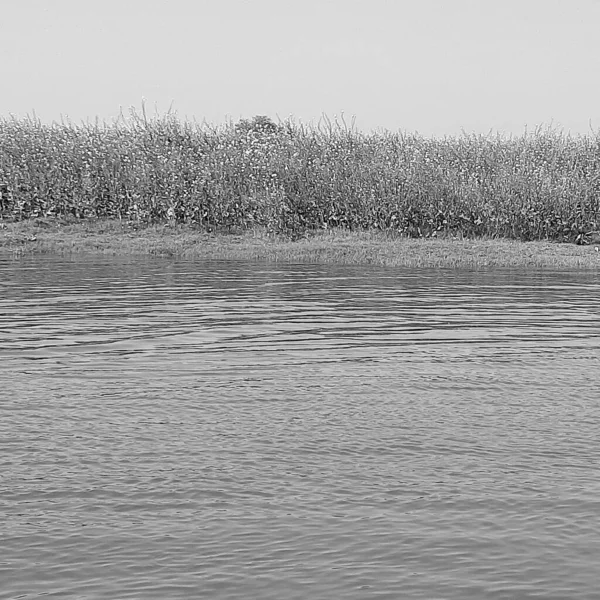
(433, 66)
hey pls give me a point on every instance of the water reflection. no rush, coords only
(184, 429)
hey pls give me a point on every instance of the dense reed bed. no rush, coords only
(289, 178)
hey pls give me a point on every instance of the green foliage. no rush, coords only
(290, 178)
(258, 125)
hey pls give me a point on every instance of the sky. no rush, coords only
(436, 67)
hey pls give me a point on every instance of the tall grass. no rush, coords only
(290, 178)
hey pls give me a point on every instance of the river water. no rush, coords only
(180, 429)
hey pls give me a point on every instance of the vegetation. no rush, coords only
(288, 178)
(62, 236)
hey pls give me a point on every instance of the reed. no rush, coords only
(289, 178)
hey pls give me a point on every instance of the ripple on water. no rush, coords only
(233, 430)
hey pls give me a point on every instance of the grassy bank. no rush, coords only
(289, 179)
(343, 247)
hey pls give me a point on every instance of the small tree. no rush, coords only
(259, 124)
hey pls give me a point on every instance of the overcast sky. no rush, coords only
(433, 66)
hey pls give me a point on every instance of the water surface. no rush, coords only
(176, 429)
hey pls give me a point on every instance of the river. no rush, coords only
(180, 429)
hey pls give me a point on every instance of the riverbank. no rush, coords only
(48, 236)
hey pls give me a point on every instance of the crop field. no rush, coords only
(291, 178)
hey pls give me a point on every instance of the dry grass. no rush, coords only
(342, 247)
